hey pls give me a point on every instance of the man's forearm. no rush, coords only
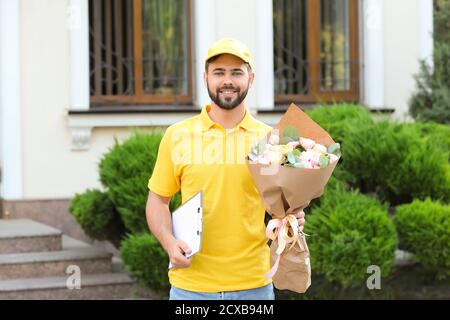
(159, 221)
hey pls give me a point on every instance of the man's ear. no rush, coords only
(252, 78)
(205, 79)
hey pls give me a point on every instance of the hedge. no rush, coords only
(424, 229)
(125, 171)
(95, 213)
(348, 233)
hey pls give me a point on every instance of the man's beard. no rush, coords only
(228, 103)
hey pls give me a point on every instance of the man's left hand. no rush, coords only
(300, 215)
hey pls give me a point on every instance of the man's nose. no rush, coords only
(227, 80)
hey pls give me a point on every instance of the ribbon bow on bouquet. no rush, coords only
(279, 229)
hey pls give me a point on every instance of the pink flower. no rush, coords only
(307, 157)
(315, 159)
(309, 166)
(307, 143)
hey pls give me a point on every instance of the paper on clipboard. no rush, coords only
(187, 221)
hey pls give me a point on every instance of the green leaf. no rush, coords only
(252, 156)
(296, 152)
(285, 140)
(291, 157)
(335, 147)
(291, 133)
(299, 165)
(323, 161)
(259, 148)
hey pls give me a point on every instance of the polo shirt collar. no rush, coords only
(207, 122)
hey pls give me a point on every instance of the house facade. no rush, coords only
(77, 73)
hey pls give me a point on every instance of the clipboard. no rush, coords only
(187, 223)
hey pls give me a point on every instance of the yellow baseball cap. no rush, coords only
(230, 46)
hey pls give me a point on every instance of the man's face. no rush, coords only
(228, 80)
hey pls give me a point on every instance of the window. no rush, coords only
(316, 50)
(140, 52)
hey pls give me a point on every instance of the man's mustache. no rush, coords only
(229, 88)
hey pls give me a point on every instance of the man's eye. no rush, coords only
(218, 73)
(238, 73)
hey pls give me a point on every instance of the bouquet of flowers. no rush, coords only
(289, 170)
(298, 152)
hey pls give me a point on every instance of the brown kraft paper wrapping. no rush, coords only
(288, 190)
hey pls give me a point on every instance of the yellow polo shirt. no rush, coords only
(199, 154)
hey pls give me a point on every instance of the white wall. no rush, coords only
(11, 147)
(45, 94)
(372, 74)
(51, 168)
(404, 44)
(204, 34)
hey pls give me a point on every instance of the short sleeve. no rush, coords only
(164, 180)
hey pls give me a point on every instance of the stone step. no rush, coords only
(404, 258)
(94, 286)
(54, 263)
(25, 235)
(71, 243)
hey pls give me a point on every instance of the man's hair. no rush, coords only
(212, 59)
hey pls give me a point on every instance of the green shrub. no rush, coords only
(433, 132)
(339, 118)
(441, 21)
(424, 229)
(147, 261)
(125, 171)
(349, 232)
(341, 179)
(396, 162)
(95, 213)
(336, 183)
(431, 101)
(426, 173)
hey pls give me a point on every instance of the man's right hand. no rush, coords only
(176, 253)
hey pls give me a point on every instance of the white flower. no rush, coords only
(293, 144)
(320, 148)
(274, 156)
(263, 160)
(274, 139)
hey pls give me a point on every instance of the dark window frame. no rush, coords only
(315, 94)
(105, 96)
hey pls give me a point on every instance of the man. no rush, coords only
(207, 152)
